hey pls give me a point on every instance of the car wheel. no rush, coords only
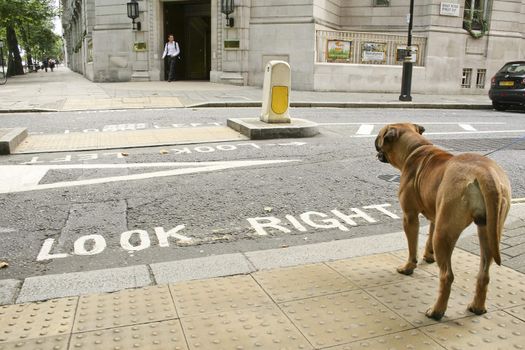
(499, 106)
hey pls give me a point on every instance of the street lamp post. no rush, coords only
(133, 12)
(406, 79)
(227, 9)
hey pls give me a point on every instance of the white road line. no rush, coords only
(22, 178)
(365, 129)
(416, 122)
(467, 127)
(460, 133)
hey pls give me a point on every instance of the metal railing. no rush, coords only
(366, 48)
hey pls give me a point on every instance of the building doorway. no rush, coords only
(190, 23)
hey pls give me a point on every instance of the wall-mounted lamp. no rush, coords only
(227, 9)
(133, 13)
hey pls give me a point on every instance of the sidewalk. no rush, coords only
(353, 303)
(64, 90)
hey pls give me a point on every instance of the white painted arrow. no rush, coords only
(21, 178)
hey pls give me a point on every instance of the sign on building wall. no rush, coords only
(373, 52)
(449, 9)
(338, 50)
(402, 52)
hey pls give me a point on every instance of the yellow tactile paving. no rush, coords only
(412, 339)
(127, 307)
(119, 139)
(73, 104)
(506, 287)
(264, 327)
(33, 320)
(492, 331)
(158, 335)
(59, 342)
(302, 282)
(358, 270)
(518, 311)
(275, 309)
(461, 261)
(217, 295)
(412, 300)
(342, 318)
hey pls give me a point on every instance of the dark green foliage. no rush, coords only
(28, 25)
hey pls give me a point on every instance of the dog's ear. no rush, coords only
(390, 135)
(420, 129)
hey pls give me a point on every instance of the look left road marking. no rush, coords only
(22, 178)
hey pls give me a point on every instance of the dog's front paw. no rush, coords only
(476, 309)
(407, 269)
(433, 314)
(429, 258)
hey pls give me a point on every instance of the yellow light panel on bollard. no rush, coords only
(279, 99)
(276, 93)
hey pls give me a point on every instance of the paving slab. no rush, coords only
(78, 283)
(8, 291)
(211, 266)
(326, 251)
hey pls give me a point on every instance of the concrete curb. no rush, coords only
(298, 104)
(411, 105)
(28, 110)
(10, 139)
(255, 129)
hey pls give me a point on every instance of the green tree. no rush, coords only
(29, 24)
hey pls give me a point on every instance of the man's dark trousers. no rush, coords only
(171, 67)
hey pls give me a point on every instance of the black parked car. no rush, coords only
(507, 87)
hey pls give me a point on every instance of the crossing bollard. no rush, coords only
(276, 93)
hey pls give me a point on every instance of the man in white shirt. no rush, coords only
(171, 50)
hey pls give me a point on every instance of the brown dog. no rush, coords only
(451, 192)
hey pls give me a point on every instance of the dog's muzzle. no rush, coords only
(382, 157)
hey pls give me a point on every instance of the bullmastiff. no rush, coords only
(451, 191)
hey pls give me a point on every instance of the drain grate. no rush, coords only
(478, 145)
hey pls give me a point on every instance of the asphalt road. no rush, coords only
(181, 202)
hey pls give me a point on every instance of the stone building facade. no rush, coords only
(331, 45)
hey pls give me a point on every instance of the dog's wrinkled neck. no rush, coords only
(416, 147)
(416, 143)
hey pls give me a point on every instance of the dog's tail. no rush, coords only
(497, 205)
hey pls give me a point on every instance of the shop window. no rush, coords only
(381, 2)
(466, 79)
(480, 78)
(476, 15)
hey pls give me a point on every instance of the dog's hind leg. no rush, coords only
(428, 256)
(411, 227)
(478, 304)
(443, 247)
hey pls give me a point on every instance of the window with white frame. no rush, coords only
(476, 15)
(480, 78)
(466, 79)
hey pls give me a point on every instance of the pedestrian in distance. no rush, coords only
(171, 52)
(51, 64)
(45, 63)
